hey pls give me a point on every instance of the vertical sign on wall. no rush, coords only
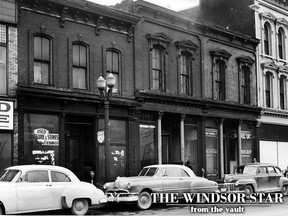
(6, 115)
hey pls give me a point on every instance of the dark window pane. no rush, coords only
(37, 48)
(45, 49)
(76, 55)
(109, 61)
(83, 56)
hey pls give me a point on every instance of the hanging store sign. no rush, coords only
(100, 136)
(6, 115)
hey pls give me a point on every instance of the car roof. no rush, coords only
(45, 167)
(187, 169)
(258, 164)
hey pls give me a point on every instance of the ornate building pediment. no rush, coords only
(246, 60)
(220, 53)
(269, 65)
(268, 16)
(283, 69)
(160, 37)
(186, 45)
(282, 21)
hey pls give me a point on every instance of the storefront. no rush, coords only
(6, 133)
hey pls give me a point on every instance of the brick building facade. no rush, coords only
(186, 91)
(8, 84)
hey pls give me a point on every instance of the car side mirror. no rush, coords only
(20, 179)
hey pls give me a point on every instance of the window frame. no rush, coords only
(282, 92)
(186, 88)
(118, 73)
(268, 89)
(4, 45)
(220, 80)
(86, 69)
(159, 68)
(281, 44)
(267, 39)
(43, 61)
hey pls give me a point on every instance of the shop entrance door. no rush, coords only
(79, 151)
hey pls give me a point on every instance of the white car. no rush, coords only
(32, 188)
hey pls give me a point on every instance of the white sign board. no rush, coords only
(6, 115)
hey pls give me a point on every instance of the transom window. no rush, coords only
(113, 66)
(79, 66)
(42, 60)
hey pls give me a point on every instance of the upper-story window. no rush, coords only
(245, 85)
(42, 60)
(3, 59)
(186, 55)
(113, 66)
(267, 39)
(157, 69)
(220, 80)
(282, 92)
(158, 44)
(268, 87)
(281, 43)
(219, 60)
(185, 73)
(80, 66)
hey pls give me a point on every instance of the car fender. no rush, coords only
(244, 182)
(199, 185)
(283, 181)
(86, 191)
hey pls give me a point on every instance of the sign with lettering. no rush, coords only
(6, 115)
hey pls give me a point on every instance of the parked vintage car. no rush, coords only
(258, 177)
(31, 188)
(157, 179)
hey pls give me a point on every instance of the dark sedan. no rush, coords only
(258, 177)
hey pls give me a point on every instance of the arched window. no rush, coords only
(42, 60)
(80, 66)
(282, 91)
(113, 66)
(267, 39)
(268, 88)
(185, 73)
(281, 43)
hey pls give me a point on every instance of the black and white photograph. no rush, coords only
(144, 107)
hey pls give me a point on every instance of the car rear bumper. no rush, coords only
(122, 197)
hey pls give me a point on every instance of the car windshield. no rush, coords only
(151, 171)
(8, 175)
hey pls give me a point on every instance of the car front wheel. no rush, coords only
(144, 200)
(248, 190)
(285, 190)
(80, 207)
(1, 210)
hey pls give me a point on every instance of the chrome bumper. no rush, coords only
(122, 197)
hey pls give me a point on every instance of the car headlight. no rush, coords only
(129, 185)
(104, 186)
(237, 183)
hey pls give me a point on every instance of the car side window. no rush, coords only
(278, 170)
(183, 173)
(59, 177)
(262, 170)
(36, 176)
(172, 172)
(271, 169)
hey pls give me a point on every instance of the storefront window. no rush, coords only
(212, 152)
(190, 148)
(41, 139)
(246, 147)
(147, 145)
(118, 142)
(5, 151)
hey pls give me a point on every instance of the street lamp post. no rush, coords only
(105, 94)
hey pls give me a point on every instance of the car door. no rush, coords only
(274, 178)
(34, 192)
(60, 182)
(262, 178)
(172, 181)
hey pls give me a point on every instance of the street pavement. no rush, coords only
(184, 209)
